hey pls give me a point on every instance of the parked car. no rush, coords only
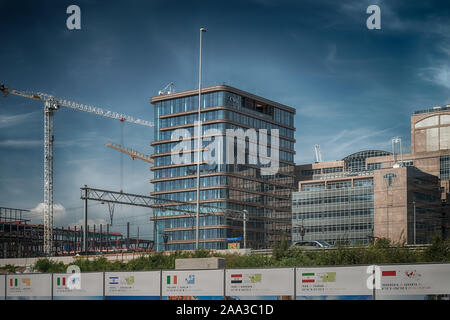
(311, 244)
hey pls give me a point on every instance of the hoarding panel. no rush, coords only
(2, 287)
(344, 283)
(29, 287)
(132, 285)
(260, 284)
(192, 284)
(81, 286)
(422, 281)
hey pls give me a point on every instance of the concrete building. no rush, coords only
(229, 186)
(375, 193)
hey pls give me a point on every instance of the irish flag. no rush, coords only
(308, 277)
(61, 281)
(172, 279)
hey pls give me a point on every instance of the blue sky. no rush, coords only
(353, 88)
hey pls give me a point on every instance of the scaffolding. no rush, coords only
(19, 239)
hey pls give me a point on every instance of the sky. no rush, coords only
(353, 88)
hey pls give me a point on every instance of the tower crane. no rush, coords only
(51, 104)
(132, 153)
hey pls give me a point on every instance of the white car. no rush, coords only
(311, 244)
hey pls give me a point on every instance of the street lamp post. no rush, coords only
(199, 144)
(414, 204)
(302, 231)
(244, 218)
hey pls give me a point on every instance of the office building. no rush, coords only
(378, 194)
(232, 187)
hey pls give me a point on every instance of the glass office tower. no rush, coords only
(227, 186)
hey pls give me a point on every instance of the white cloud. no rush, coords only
(37, 213)
(25, 143)
(437, 75)
(346, 142)
(14, 120)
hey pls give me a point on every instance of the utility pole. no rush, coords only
(101, 237)
(128, 235)
(85, 229)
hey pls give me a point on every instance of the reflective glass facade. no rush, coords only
(336, 212)
(335, 203)
(227, 186)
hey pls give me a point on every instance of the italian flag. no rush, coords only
(308, 277)
(13, 282)
(61, 281)
(172, 279)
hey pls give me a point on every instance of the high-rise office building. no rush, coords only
(376, 194)
(230, 186)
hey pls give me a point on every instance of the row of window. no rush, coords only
(333, 199)
(211, 129)
(192, 195)
(219, 138)
(215, 207)
(191, 183)
(227, 99)
(374, 166)
(224, 115)
(241, 169)
(191, 246)
(337, 184)
(336, 228)
(226, 194)
(191, 158)
(203, 234)
(334, 214)
(222, 127)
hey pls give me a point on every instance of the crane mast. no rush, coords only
(51, 104)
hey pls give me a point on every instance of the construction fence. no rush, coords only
(368, 282)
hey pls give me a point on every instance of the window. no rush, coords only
(445, 167)
(333, 169)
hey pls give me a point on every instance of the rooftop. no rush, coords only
(181, 94)
(434, 109)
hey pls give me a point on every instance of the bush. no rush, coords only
(46, 265)
(439, 251)
(381, 252)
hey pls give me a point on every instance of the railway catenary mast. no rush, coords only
(51, 104)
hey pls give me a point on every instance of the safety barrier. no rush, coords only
(367, 282)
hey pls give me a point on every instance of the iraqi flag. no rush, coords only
(236, 278)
